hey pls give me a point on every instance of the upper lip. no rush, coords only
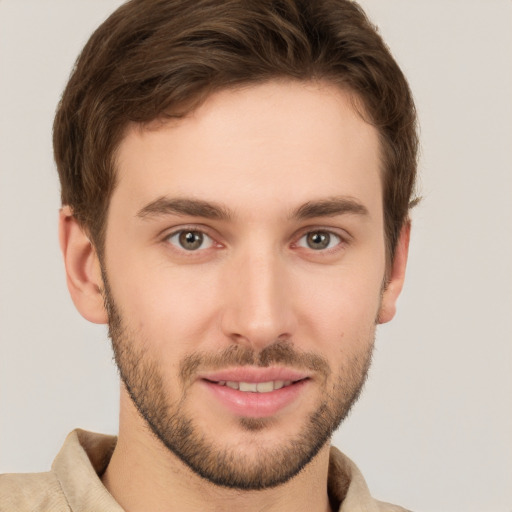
(254, 375)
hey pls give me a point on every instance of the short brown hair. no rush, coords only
(160, 58)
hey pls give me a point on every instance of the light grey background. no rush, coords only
(433, 430)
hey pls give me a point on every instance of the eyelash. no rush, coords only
(324, 233)
(340, 241)
(185, 230)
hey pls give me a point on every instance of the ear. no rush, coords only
(396, 277)
(83, 271)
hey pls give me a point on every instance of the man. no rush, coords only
(236, 179)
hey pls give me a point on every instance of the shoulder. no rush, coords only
(388, 507)
(31, 492)
(348, 489)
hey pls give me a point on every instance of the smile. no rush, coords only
(256, 387)
(256, 393)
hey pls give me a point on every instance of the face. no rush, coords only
(243, 272)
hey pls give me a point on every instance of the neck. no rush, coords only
(144, 475)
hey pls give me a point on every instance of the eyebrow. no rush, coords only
(329, 207)
(191, 207)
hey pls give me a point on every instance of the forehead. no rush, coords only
(276, 143)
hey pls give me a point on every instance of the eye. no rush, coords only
(190, 240)
(319, 240)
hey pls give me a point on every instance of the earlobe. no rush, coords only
(83, 273)
(396, 277)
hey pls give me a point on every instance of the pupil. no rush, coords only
(191, 240)
(318, 240)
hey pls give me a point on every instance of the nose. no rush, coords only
(258, 307)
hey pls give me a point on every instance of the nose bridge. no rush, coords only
(258, 310)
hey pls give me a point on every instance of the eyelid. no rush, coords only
(206, 241)
(333, 238)
(344, 239)
(339, 232)
(200, 228)
(197, 228)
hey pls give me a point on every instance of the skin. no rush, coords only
(253, 283)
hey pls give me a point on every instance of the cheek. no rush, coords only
(342, 306)
(161, 303)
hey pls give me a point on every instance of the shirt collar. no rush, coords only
(85, 455)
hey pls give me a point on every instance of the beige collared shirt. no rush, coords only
(74, 484)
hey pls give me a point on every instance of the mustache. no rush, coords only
(279, 352)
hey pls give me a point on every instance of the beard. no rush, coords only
(226, 465)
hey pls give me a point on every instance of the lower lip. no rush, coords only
(256, 405)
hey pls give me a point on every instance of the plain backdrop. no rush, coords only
(433, 430)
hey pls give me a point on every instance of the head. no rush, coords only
(243, 172)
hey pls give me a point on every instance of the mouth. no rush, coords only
(256, 392)
(255, 387)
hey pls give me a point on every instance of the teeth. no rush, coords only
(265, 387)
(248, 386)
(256, 387)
